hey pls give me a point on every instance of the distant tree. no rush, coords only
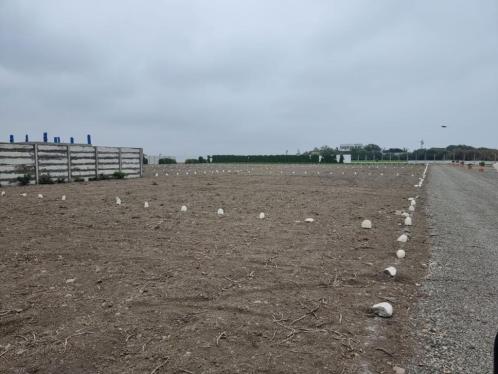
(341, 159)
(372, 148)
(327, 152)
(460, 147)
(145, 160)
(394, 150)
(166, 160)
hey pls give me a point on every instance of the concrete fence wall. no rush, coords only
(66, 161)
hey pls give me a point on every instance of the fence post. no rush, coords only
(120, 163)
(96, 162)
(141, 162)
(37, 176)
(69, 174)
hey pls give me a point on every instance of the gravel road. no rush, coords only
(457, 319)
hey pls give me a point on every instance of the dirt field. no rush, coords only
(88, 286)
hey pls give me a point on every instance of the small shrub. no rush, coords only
(482, 164)
(119, 175)
(61, 180)
(100, 177)
(24, 180)
(45, 179)
(78, 179)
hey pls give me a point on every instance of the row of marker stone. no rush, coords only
(187, 172)
(220, 211)
(24, 194)
(385, 309)
(249, 171)
(183, 208)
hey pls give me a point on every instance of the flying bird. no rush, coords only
(444, 126)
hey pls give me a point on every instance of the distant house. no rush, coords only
(347, 158)
(154, 159)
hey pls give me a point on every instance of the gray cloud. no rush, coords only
(192, 77)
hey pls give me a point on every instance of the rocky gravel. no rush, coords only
(457, 318)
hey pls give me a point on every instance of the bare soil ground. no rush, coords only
(87, 286)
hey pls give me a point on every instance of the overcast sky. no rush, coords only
(191, 78)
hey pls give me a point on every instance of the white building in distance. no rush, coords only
(349, 147)
(154, 159)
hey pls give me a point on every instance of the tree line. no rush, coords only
(369, 152)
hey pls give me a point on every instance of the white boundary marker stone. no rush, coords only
(366, 224)
(403, 238)
(400, 253)
(384, 310)
(391, 270)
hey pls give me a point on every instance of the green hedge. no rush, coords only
(167, 160)
(272, 159)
